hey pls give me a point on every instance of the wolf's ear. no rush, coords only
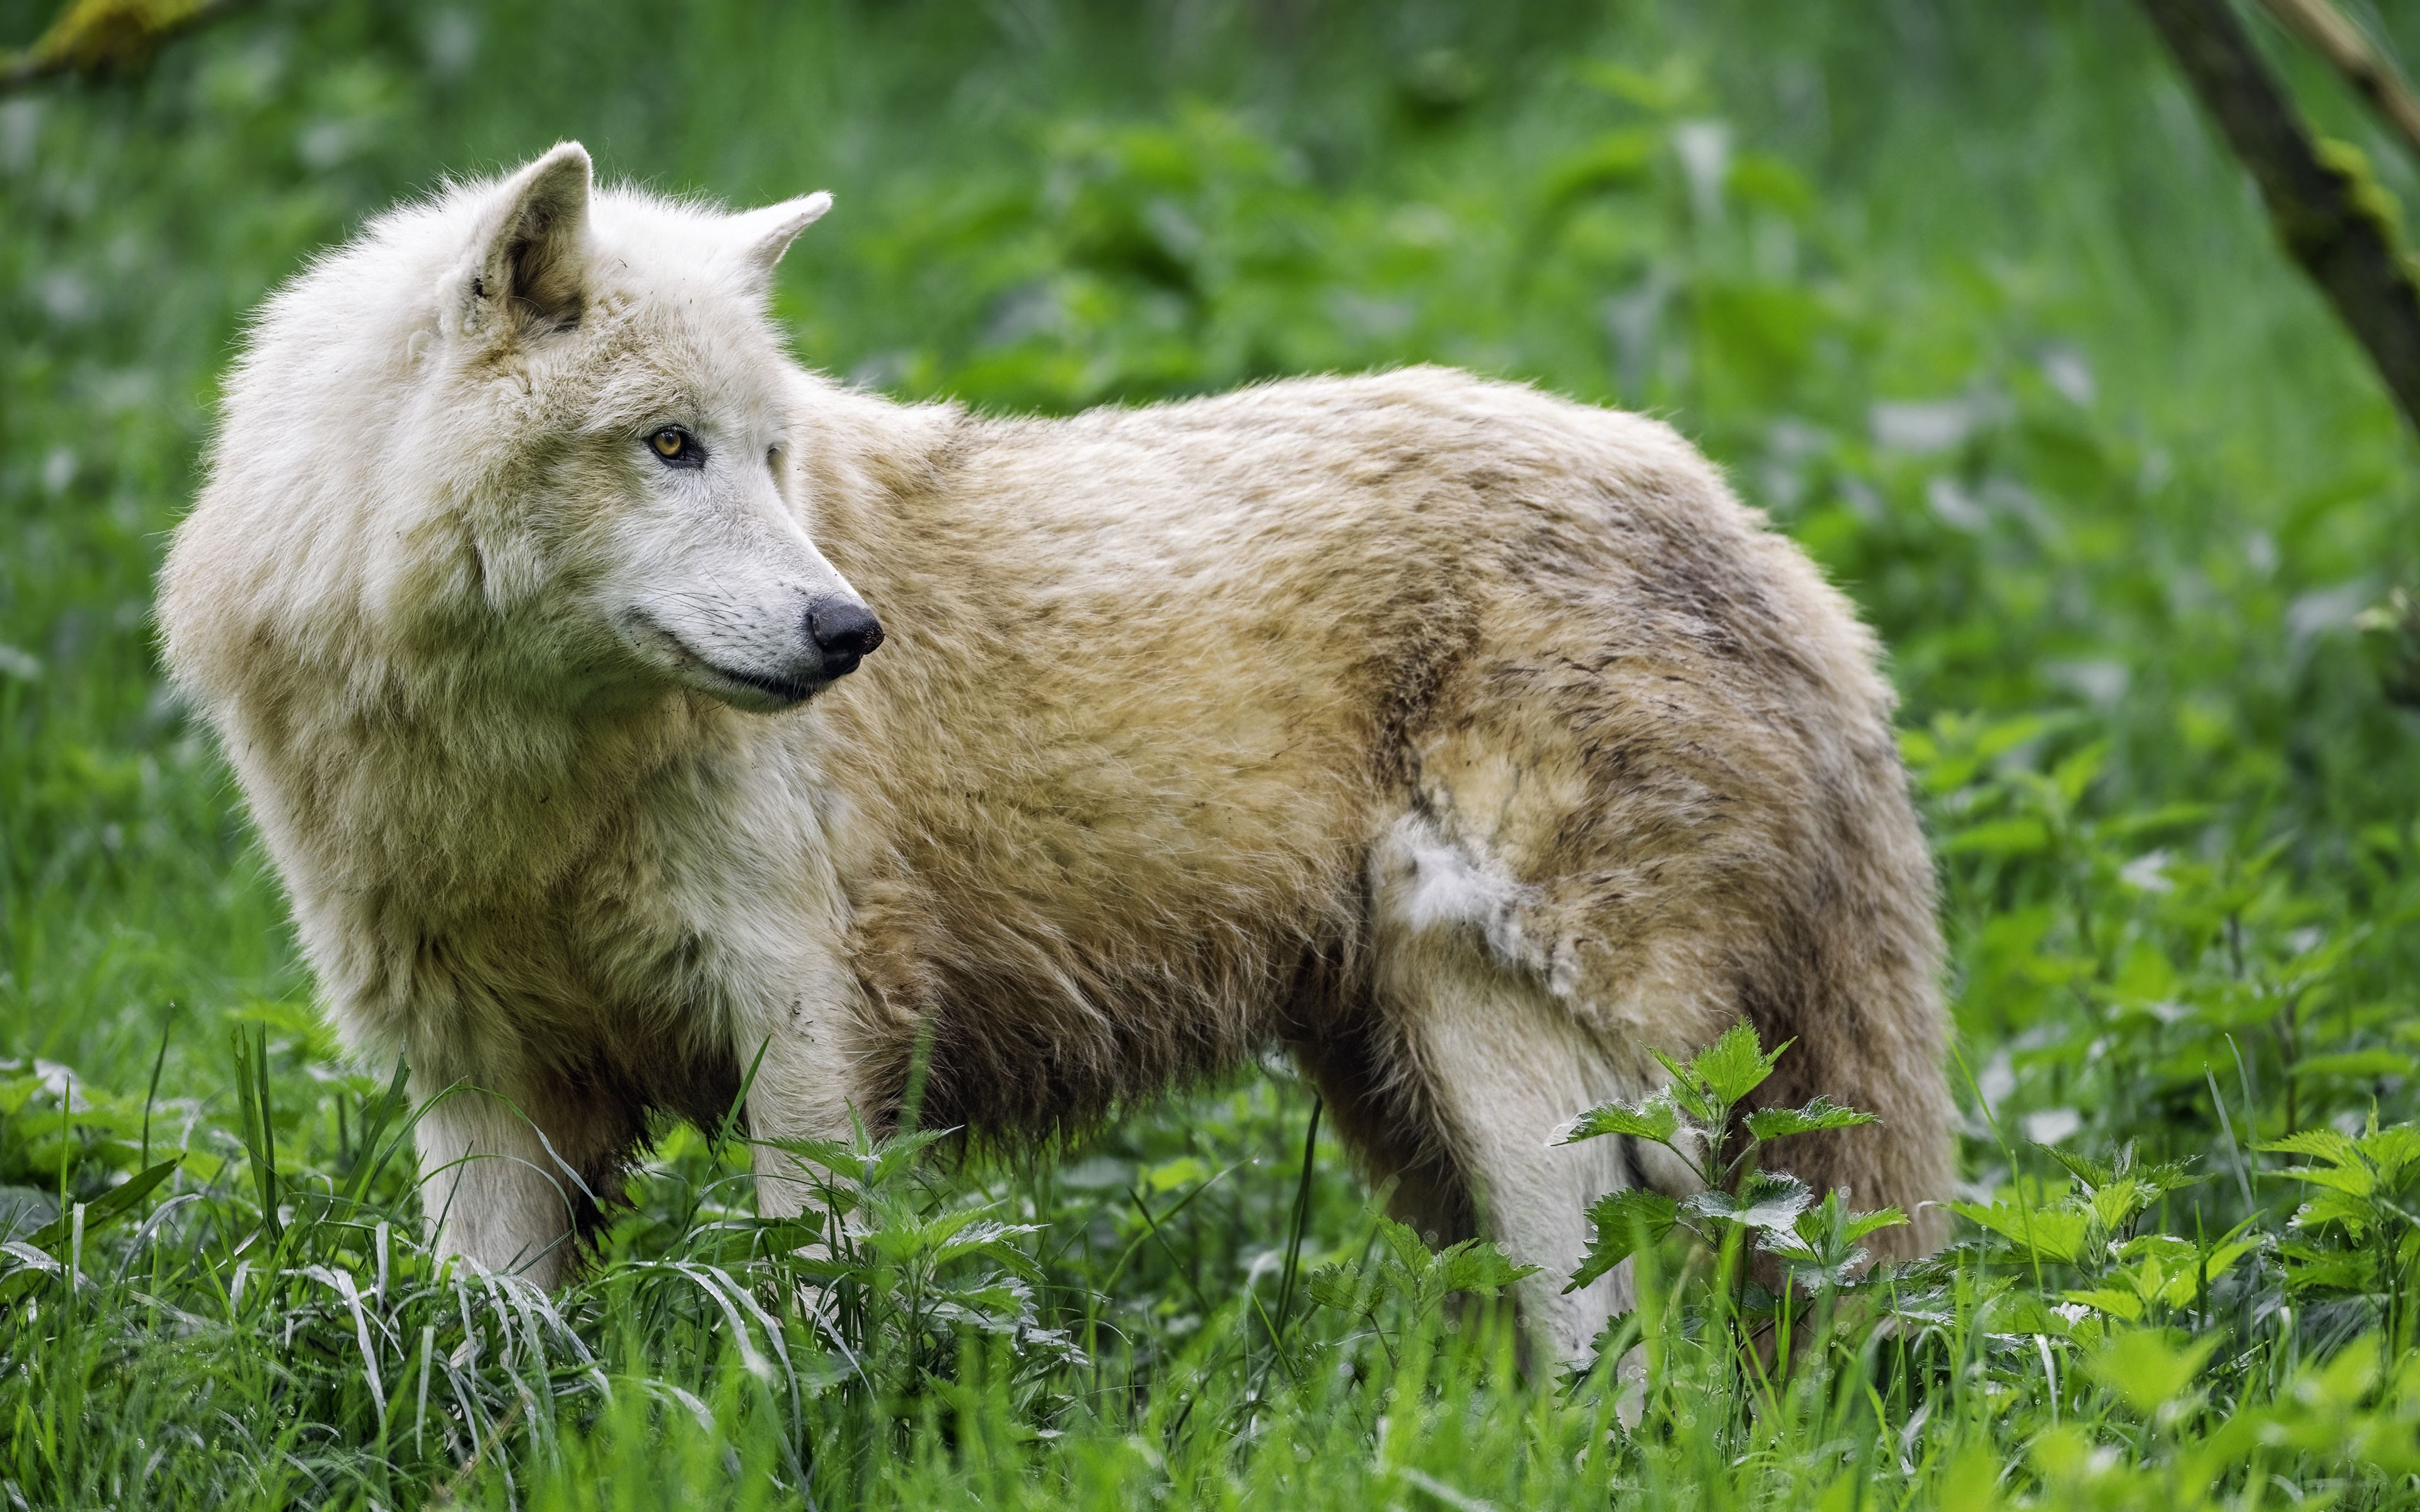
(528, 261)
(760, 236)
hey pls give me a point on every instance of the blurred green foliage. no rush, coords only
(1966, 296)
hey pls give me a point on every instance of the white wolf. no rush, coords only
(1464, 741)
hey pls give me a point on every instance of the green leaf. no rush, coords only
(2339, 1384)
(1735, 1065)
(2391, 1149)
(2056, 1234)
(2113, 1205)
(1972, 1481)
(1674, 86)
(1767, 1199)
(2356, 1214)
(1820, 1249)
(2353, 1181)
(997, 1309)
(990, 1238)
(1862, 1224)
(2141, 1369)
(896, 1152)
(2309, 1268)
(2091, 1172)
(1656, 1118)
(1347, 1288)
(1759, 178)
(2222, 1258)
(38, 1251)
(2097, 1177)
(2172, 1270)
(2320, 1144)
(2167, 816)
(1477, 1267)
(2075, 773)
(1183, 1172)
(1687, 1092)
(2000, 837)
(368, 1160)
(835, 1155)
(1624, 1221)
(102, 1211)
(2168, 1176)
(1823, 1113)
(861, 1159)
(1411, 1252)
(1618, 160)
(2119, 1304)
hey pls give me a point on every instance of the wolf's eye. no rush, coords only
(676, 448)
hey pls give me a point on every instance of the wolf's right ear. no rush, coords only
(527, 263)
(760, 236)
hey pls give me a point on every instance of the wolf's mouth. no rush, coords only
(788, 692)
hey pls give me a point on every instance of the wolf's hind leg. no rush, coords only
(1501, 1066)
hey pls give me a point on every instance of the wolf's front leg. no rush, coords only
(492, 1190)
(805, 1086)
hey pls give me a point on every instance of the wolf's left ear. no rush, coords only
(528, 260)
(760, 236)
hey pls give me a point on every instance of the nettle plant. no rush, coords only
(897, 1275)
(1403, 1270)
(1742, 1207)
(2358, 1233)
(2095, 1232)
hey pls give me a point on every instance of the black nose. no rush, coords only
(845, 631)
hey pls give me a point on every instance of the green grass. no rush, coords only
(1965, 295)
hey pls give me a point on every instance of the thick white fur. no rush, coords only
(1467, 741)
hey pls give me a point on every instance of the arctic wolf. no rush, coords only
(621, 702)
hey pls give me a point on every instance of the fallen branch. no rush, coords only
(94, 38)
(2325, 29)
(2328, 217)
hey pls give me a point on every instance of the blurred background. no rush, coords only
(1966, 295)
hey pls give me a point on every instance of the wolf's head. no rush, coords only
(531, 437)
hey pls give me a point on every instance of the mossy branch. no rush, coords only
(94, 38)
(2325, 210)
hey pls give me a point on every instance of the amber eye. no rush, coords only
(676, 448)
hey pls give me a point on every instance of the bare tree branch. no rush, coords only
(96, 37)
(2329, 218)
(2326, 31)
